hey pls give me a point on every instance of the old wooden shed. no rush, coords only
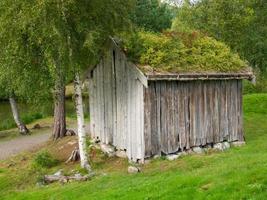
(153, 113)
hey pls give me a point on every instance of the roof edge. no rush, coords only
(200, 76)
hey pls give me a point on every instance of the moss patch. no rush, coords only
(181, 52)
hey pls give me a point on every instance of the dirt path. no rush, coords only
(20, 144)
(27, 143)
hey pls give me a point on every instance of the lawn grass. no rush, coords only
(239, 173)
(46, 124)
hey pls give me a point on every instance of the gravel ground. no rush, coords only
(20, 144)
(27, 143)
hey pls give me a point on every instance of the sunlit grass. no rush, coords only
(239, 173)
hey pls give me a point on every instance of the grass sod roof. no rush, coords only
(195, 54)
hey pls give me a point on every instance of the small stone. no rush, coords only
(208, 146)
(94, 141)
(173, 157)
(198, 150)
(184, 153)
(78, 175)
(190, 151)
(12, 164)
(107, 149)
(23, 158)
(205, 149)
(40, 184)
(238, 143)
(70, 132)
(63, 180)
(156, 156)
(121, 154)
(218, 146)
(58, 173)
(147, 161)
(140, 161)
(72, 143)
(37, 126)
(226, 145)
(133, 170)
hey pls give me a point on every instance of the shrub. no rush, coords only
(259, 87)
(30, 117)
(44, 159)
(7, 124)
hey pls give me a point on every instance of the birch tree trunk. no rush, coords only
(21, 126)
(80, 122)
(59, 129)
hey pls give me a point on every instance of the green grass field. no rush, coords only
(239, 173)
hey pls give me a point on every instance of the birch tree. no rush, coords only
(80, 123)
(60, 36)
(21, 126)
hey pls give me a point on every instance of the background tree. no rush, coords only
(239, 23)
(152, 15)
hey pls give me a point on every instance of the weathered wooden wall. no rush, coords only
(184, 114)
(117, 104)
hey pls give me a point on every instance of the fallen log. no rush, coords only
(64, 179)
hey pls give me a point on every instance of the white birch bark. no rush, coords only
(21, 126)
(80, 122)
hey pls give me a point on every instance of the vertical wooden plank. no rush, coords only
(125, 101)
(199, 113)
(134, 121)
(229, 110)
(110, 92)
(186, 88)
(209, 112)
(118, 99)
(138, 120)
(91, 105)
(141, 154)
(205, 113)
(235, 108)
(158, 107)
(173, 118)
(122, 101)
(232, 111)
(105, 100)
(97, 107)
(108, 97)
(180, 113)
(114, 95)
(216, 111)
(240, 111)
(147, 122)
(192, 113)
(130, 116)
(163, 118)
(102, 103)
(223, 112)
(155, 118)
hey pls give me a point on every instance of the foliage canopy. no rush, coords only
(152, 15)
(43, 38)
(241, 24)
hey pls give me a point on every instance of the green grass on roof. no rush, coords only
(181, 52)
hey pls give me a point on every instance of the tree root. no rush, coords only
(75, 156)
